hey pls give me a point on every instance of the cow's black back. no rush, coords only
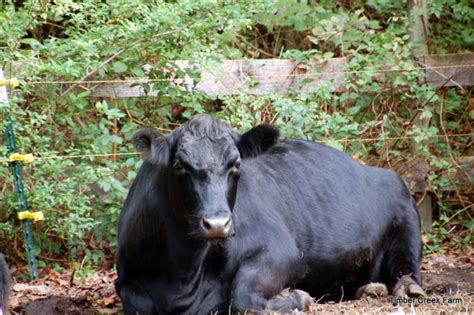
(341, 217)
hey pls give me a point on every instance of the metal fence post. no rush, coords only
(17, 179)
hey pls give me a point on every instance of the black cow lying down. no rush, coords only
(4, 285)
(218, 221)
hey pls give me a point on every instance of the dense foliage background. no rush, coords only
(103, 40)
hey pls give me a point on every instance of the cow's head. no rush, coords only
(201, 162)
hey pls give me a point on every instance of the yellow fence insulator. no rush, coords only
(25, 158)
(35, 216)
(12, 83)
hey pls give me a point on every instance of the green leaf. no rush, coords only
(470, 224)
(119, 67)
(335, 144)
(31, 41)
(105, 186)
(426, 114)
(354, 109)
(138, 72)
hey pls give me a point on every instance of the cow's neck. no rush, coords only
(185, 273)
(185, 253)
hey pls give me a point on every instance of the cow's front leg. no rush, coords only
(259, 286)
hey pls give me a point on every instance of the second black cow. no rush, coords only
(219, 221)
(4, 285)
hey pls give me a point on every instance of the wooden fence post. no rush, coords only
(418, 17)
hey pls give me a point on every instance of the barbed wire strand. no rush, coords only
(95, 155)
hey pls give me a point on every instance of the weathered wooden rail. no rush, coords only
(279, 76)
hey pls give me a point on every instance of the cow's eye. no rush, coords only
(234, 164)
(179, 167)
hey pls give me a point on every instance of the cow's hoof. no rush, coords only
(289, 300)
(407, 286)
(373, 289)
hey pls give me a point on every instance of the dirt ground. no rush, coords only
(448, 281)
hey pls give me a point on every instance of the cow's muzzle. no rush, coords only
(216, 227)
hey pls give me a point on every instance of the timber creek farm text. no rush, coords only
(427, 300)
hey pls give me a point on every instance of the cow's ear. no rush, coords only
(258, 140)
(152, 145)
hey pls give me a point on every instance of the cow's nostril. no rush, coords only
(206, 224)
